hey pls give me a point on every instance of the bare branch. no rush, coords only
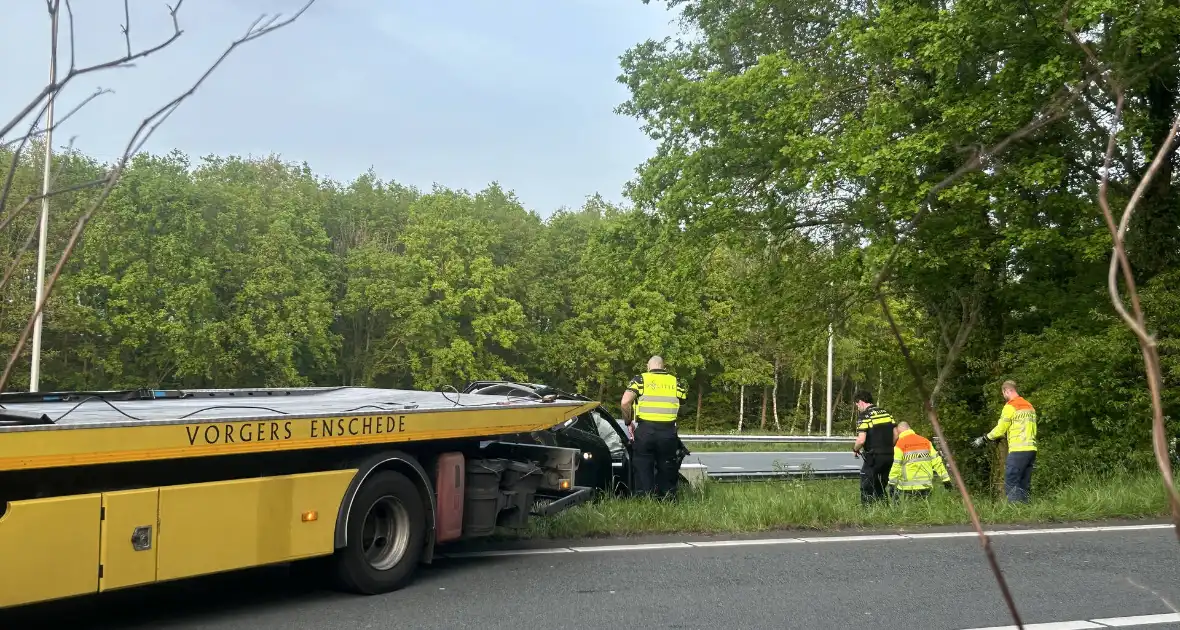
(970, 317)
(1135, 319)
(74, 72)
(20, 149)
(28, 201)
(1053, 112)
(258, 28)
(127, 25)
(952, 465)
(37, 131)
(33, 232)
(12, 267)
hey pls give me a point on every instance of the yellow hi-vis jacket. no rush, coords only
(1018, 423)
(915, 462)
(659, 395)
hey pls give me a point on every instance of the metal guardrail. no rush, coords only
(770, 475)
(771, 439)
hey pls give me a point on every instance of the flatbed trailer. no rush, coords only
(111, 490)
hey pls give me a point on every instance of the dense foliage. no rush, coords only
(842, 119)
(796, 142)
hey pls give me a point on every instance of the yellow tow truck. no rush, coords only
(116, 489)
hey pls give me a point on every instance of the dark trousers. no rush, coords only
(655, 458)
(1018, 475)
(874, 476)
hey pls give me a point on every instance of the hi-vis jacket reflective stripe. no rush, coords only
(877, 425)
(1018, 423)
(660, 394)
(915, 462)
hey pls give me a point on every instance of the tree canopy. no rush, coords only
(966, 136)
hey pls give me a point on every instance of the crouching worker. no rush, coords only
(915, 464)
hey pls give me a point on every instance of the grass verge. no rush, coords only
(830, 504)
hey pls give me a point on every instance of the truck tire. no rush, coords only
(386, 534)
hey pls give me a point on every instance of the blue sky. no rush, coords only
(455, 92)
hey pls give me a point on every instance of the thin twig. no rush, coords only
(969, 319)
(952, 464)
(28, 201)
(16, 259)
(75, 72)
(57, 122)
(1054, 112)
(16, 155)
(260, 27)
(126, 24)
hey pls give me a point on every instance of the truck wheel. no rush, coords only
(386, 531)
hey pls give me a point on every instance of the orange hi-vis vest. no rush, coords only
(915, 462)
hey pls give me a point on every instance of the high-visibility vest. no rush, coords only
(660, 394)
(1018, 423)
(877, 425)
(915, 462)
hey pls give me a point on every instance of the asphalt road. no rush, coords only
(766, 462)
(913, 583)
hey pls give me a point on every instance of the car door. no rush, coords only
(614, 434)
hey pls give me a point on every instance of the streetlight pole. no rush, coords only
(43, 230)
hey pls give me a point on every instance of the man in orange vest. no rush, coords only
(1017, 424)
(915, 463)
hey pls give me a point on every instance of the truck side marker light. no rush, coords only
(310, 516)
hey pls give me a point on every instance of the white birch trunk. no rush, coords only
(741, 407)
(774, 397)
(810, 401)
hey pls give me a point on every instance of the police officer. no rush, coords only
(915, 464)
(874, 443)
(653, 425)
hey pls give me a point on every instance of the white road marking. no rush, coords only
(1088, 624)
(631, 547)
(940, 535)
(812, 540)
(1048, 530)
(509, 552)
(1052, 625)
(732, 468)
(849, 466)
(746, 543)
(824, 539)
(1139, 620)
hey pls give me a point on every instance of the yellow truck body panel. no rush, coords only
(212, 527)
(49, 548)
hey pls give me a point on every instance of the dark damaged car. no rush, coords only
(606, 448)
